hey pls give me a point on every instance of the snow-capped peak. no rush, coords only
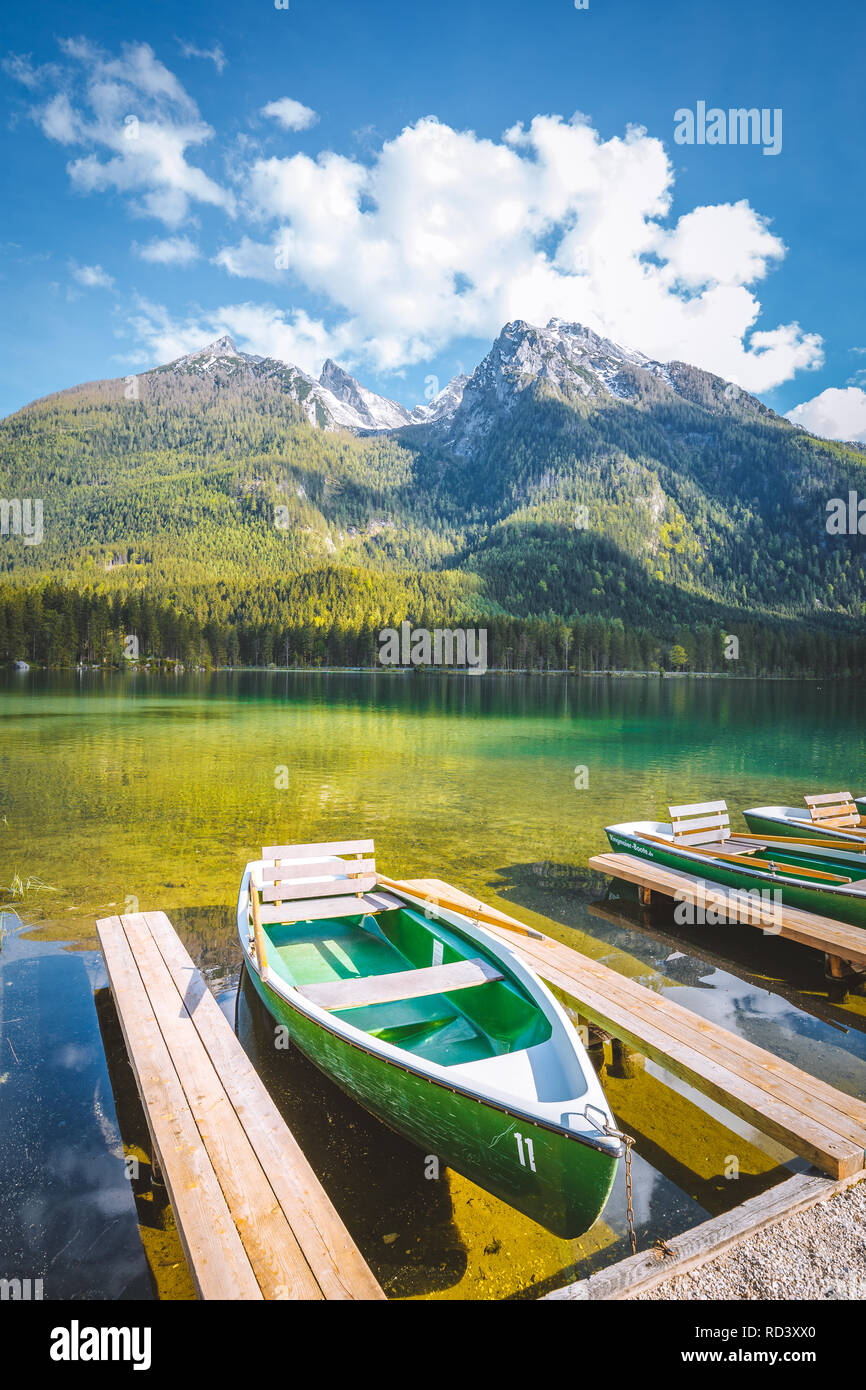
(373, 411)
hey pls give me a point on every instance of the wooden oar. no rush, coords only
(856, 846)
(478, 912)
(747, 861)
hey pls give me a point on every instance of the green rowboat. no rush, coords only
(833, 816)
(434, 1026)
(827, 879)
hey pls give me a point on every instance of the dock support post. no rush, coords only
(625, 1063)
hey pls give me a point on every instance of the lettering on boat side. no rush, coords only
(431, 1167)
(21, 1290)
(77, 1343)
(462, 647)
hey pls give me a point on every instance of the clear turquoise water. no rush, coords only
(124, 792)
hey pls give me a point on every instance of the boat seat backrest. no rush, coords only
(292, 873)
(834, 809)
(700, 823)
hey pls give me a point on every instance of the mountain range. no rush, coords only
(567, 476)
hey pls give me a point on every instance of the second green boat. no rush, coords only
(830, 881)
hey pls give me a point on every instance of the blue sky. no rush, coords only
(388, 184)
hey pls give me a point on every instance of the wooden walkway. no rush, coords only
(838, 940)
(648, 1268)
(806, 1115)
(254, 1220)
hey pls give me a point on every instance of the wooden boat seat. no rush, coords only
(321, 909)
(835, 810)
(312, 882)
(701, 824)
(401, 984)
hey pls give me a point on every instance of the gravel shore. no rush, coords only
(819, 1253)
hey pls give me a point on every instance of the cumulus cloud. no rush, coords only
(291, 114)
(834, 414)
(172, 250)
(260, 328)
(135, 123)
(92, 277)
(446, 235)
(434, 235)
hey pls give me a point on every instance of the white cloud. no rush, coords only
(92, 277)
(257, 328)
(446, 235)
(291, 114)
(134, 109)
(437, 234)
(172, 250)
(834, 414)
(215, 55)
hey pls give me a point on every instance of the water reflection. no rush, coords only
(150, 792)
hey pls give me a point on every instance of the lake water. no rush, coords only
(124, 793)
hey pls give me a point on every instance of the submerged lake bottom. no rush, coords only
(122, 795)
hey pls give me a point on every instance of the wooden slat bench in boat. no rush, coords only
(309, 883)
(253, 1218)
(798, 1110)
(402, 984)
(836, 810)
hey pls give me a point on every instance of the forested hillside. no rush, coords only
(609, 514)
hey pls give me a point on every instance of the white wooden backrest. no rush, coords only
(290, 873)
(833, 808)
(700, 823)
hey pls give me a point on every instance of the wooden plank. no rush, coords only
(311, 871)
(648, 1269)
(276, 1257)
(328, 1247)
(218, 1263)
(319, 888)
(323, 851)
(795, 923)
(316, 909)
(402, 984)
(836, 815)
(698, 808)
(440, 894)
(826, 797)
(807, 1096)
(812, 1118)
(722, 1081)
(693, 823)
(748, 860)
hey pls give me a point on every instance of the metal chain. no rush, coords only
(628, 1141)
(629, 1144)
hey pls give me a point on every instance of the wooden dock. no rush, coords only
(253, 1218)
(807, 1116)
(648, 1268)
(844, 945)
(803, 1113)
